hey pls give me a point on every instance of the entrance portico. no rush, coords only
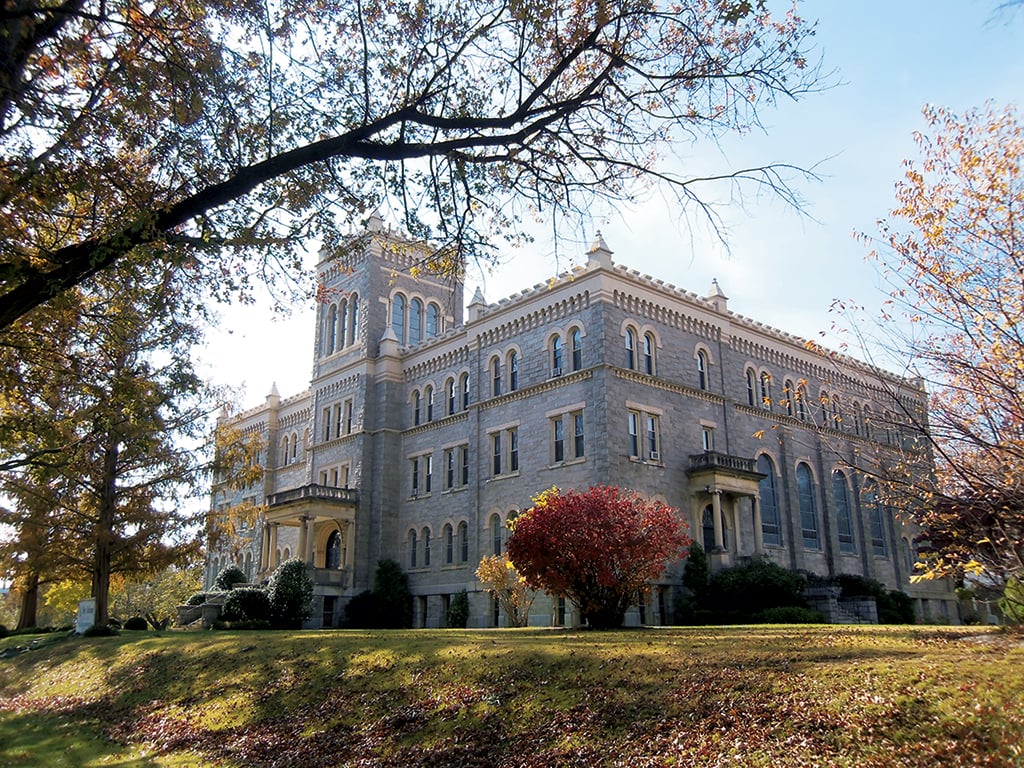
(722, 482)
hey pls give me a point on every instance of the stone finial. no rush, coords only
(477, 305)
(717, 296)
(273, 397)
(599, 255)
(388, 343)
(375, 223)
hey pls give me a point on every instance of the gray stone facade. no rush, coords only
(424, 430)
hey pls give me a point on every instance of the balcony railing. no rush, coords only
(314, 493)
(715, 460)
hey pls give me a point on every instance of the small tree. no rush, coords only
(458, 610)
(391, 588)
(229, 577)
(508, 587)
(599, 547)
(291, 594)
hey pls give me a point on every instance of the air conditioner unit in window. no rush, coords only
(415, 493)
(655, 456)
(556, 372)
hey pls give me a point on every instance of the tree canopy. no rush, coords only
(600, 548)
(206, 131)
(951, 250)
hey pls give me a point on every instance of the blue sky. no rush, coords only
(781, 268)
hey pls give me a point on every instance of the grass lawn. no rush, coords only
(744, 696)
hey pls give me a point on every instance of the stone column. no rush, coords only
(755, 503)
(273, 561)
(310, 540)
(303, 535)
(716, 509)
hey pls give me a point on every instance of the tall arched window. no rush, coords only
(649, 354)
(630, 349)
(875, 517)
(333, 553)
(844, 518)
(284, 451)
(801, 402)
(867, 421)
(464, 387)
(702, 370)
(412, 548)
(771, 524)
(330, 329)
(428, 396)
(556, 355)
(342, 323)
(808, 507)
(451, 396)
(417, 404)
(513, 371)
(295, 446)
(398, 317)
(463, 542)
(837, 413)
(789, 394)
(353, 325)
(425, 536)
(495, 377)
(751, 391)
(707, 526)
(496, 542)
(766, 390)
(415, 321)
(823, 400)
(576, 340)
(449, 544)
(433, 319)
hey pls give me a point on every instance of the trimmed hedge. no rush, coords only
(246, 604)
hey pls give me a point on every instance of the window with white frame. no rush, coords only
(456, 466)
(630, 349)
(751, 384)
(513, 371)
(567, 433)
(576, 341)
(504, 451)
(707, 438)
(495, 377)
(422, 470)
(327, 424)
(451, 396)
(703, 378)
(464, 388)
(648, 356)
(644, 427)
(348, 408)
(766, 390)
(428, 397)
(556, 355)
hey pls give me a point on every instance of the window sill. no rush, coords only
(568, 462)
(647, 462)
(503, 477)
(418, 496)
(455, 489)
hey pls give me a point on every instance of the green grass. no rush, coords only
(750, 696)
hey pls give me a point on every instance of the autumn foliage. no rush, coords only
(600, 548)
(508, 587)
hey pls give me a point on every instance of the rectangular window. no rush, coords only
(327, 424)
(428, 472)
(652, 436)
(338, 424)
(449, 468)
(344, 476)
(334, 477)
(416, 477)
(634, 434)
(577, 420)
(464, 451)
(513, 450)
(559, 436)
(496, 451)
(323, 477)
(707, 437)
(348, 417)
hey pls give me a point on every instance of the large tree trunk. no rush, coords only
(29, 601)
(104, 535)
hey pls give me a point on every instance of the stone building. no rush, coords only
(424, 430)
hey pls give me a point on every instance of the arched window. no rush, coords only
(284, 451)
(876, 519)
(837, 413)
(513, 371)
(801, 402)
(496, 542)
(766, 390)
(295, 446)
(576, 340)
(415, 321)
(433, 319)
(495, 377)
(867, 421)
(464, 387)
(630, 349)
(751, 392)
(702, 370)
(428, 396)
(398, 317)
(649, 354)
(463, 542)
(417, 402)
(353, 324)
(790, 395)
(556, 355)
(771, 524)
(451, 396)
(449, 544)
(808, 507)
(412, 549)
(858, 419)
(287, 554)
(425, 537)
(708, 528)
(844, 517)
(330, 329)
(332, 557)
(823, 400)
(342, 324)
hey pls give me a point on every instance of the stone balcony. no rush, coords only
(348, 497)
